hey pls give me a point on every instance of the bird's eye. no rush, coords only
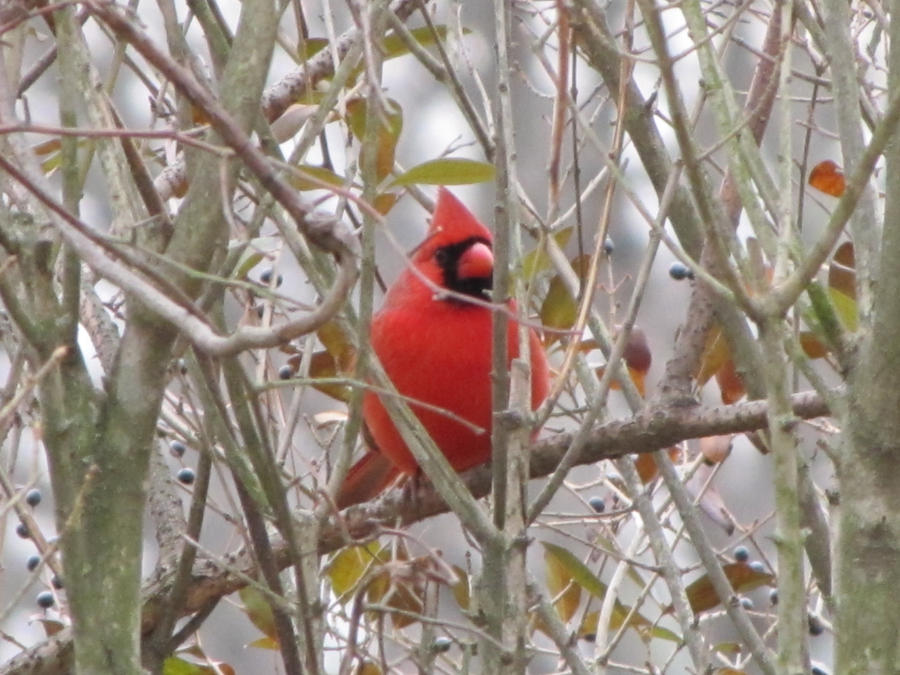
(441, 257)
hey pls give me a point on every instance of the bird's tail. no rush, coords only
(368, 478)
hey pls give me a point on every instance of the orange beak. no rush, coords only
(477, 262)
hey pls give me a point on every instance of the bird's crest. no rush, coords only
(451, 223)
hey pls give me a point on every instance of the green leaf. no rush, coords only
(447, 171)
(252, 260)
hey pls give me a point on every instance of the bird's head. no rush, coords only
(456, 253)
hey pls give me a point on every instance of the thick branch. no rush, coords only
(651, 430)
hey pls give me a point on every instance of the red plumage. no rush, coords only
(437, 349)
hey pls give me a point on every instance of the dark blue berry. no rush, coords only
(285, 372)
(266, 277)
(22, 531)
(441, 644)
(757, 566)
(746, 603)
(815, 625)
(177, 448)
(679, 271)
(773, 596)
(597, 504)
(186, 475)
(609, 246)
(741, 553)
(32, 562)
(56, 582)
(45, 599)
(33, 497)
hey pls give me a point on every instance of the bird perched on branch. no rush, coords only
(436, 348)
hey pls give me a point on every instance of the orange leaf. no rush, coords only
(385, 202)
(730, 384)
(812, 346)
(842, 279)
(637, 359)
(702, 596)
(646, 464)
(715, 449)
(827, 177)
(715, 354)
(646, 467)
(637, 352)
(844, 255)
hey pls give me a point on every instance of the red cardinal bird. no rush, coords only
(438, 350)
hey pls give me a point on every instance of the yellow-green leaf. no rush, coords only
(576, 570)
(309, 177)
(265, 642)
(175, 665)
(447, 171)
(558, 310)
(368, 668)
(644, 627)
(561, 586)
(339, 344)
(581, 575)
(348, 566)
(393, 46)
(390, 124)
(715, 354)
(258, 610)
(461, 588)
(310, 47)
(537, 260)
(251, 261)
(845, 307)
(323, 366)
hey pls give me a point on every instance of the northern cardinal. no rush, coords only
(437, 349)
